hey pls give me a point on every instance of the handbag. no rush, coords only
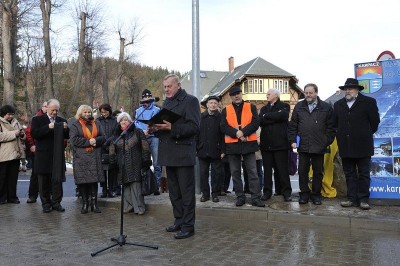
(148, 182)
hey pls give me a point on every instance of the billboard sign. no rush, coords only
(381, 80)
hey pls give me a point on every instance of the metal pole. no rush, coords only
(196, 69)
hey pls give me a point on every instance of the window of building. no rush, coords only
(246, 86)
(250, 86)
(276, 84)
(260, 86)
(256, 86)
(286, 87)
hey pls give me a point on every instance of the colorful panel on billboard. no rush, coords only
(382, 81)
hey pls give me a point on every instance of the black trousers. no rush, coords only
(50, 193)
(358, 179)
(279, 161)
(251, 169)
(227, 175)
(33, 183)
(216, 177)
(8, 180)
(317, 163)
(181, 186)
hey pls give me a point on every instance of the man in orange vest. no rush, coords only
(239, 123)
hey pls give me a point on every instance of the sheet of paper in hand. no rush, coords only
(164, 114)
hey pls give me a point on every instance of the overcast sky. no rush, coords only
(317, 41)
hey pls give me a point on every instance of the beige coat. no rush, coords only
(11, 147)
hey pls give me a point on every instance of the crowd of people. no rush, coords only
(114, 149)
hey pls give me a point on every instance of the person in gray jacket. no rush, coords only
(87, 137)
(177, 151)
(312, 122)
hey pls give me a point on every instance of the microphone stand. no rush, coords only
(121, 239)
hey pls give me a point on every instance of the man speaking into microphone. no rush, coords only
(146, 111)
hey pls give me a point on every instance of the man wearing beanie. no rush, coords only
(146, 111)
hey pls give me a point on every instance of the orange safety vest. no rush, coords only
(231, 118)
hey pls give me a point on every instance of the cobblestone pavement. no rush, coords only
(224, 236)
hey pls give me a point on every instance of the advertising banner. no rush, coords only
(381, 80)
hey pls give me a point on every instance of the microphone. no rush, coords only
(150, 100)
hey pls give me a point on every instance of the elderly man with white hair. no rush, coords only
(274, 144)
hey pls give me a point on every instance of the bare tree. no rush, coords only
(45, 7)
(133, 37)
(91, 43)
(104, 82)
(9, 42)
(79, 73)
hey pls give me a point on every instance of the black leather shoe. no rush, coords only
(15, 201)
(303, 201)
(317, 202)
(215, 199)
(204, 199)
(58, 208)
(47, 209)
(265, 197)
(31, 200)
(184, 234)
(157, 193)
(287, 198)
(258, 203)
(240, 202)
(173, 228)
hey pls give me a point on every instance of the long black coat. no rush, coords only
(210, 141)
(355, 126)
(178, 146)
(109, 126)
(135, 156)
(274, 122)
(240, 147)
(44, 140)
(87, 165)
(315, 129)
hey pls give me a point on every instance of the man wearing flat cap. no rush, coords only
(356, 119)
(239, 123)
(210, 143)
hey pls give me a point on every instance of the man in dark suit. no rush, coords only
(177, 151)
(274, 145)
(49, 132)
(356, 119)
(210, 150)
(312, 122)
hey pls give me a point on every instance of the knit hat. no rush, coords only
(146, 93)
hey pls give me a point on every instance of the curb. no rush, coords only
(268, 215)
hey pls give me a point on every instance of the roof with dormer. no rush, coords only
(257, 67)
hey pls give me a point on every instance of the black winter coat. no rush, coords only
(109, 126)
(44, 139)
(355, 126)
(87, 165)
(315, 129)
(137, 155)
(274, 122)
(177, 147)
(240, 147)
(210, 140)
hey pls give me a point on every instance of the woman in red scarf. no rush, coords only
(87, 138)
